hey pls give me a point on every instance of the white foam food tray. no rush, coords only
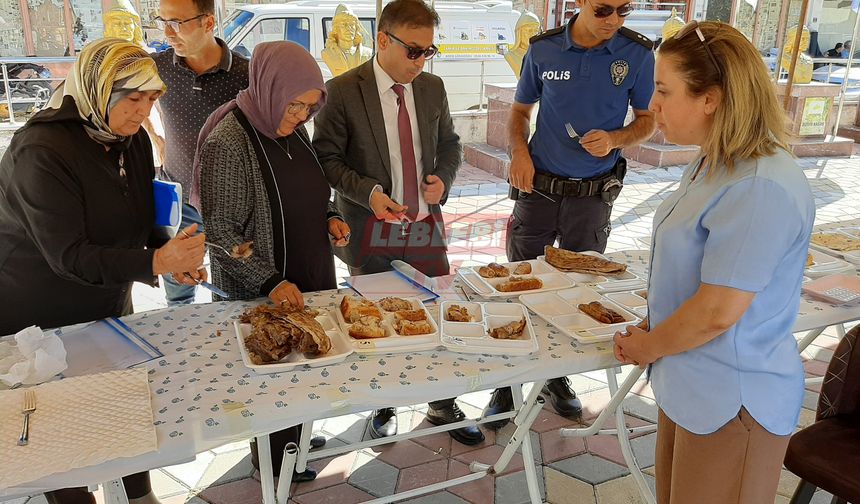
(341, 348)
(474, 337)
(825, 264)
(393, 342)
(561, 310)
(629, 280)
(486, 287)
(632, 301)
(852, 256)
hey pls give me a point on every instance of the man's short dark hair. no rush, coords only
(205, 6)
(411, 13)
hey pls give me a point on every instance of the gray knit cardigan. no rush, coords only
(235, 208)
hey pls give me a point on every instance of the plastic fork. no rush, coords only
(28, 407)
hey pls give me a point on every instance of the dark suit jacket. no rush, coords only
(350, 141)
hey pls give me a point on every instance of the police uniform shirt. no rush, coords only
(588, 88)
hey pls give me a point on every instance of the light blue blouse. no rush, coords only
(749, 231)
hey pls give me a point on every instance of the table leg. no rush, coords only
(526, 416)
(809, 338)
(288, 465)
(626, 448)
(267, 478)
(304, 446)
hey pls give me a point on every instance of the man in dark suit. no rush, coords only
(387, 144)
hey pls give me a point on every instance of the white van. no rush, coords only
(471, 38)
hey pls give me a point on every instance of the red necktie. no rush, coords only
(407, 155)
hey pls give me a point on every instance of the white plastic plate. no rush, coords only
(393, 342)
(561, 310)
(340, 348)
(628, 280)
(474, 337)
(486, 287)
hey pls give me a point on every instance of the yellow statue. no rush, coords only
(672, 25)
(343, 49)
(123, 22)
(803, 70)
(528, 25)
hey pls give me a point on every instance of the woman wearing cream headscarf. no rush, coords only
(77, 210)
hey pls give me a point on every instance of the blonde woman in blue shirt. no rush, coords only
(729, 247)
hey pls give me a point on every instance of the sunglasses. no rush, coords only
(174, 25)
(693, 27)
(414, 53)
(604, 11)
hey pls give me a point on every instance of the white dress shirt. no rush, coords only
(388, 99)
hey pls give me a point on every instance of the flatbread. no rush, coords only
(566, 260)
(834, 241)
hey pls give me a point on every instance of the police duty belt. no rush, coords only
(579, 188)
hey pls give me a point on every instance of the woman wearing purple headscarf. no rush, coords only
(259, 181)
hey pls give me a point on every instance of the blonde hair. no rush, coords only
(749, 122)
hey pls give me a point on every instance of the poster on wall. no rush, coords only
(813, 121)
(472, 40)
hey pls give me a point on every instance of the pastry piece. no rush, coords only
(243, 250)
(565, 260)
(809, 260)
(518, 283)
(642, 293)
(838, 242)
(409, 328)
(457, 313)
(523, 268)
(353, 308)
(276, 331)
(601, 313)
(513, 330)
(391, 304)
(411, 315)
(366, 327)
(494, 270)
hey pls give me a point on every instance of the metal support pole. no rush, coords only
(780, 34)
(795, 53)
(847, 75)
(8, 93)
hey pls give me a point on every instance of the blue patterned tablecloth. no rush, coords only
(203, 396)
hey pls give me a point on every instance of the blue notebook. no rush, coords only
(168, 207)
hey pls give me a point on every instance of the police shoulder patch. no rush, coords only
(637, 37)
(546, 34)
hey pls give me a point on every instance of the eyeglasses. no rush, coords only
(604, 11)
(693, 27)
(295, 107)
(174, 25)
(414, 53)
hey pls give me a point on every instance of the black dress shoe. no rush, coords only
(470, 435)
(502, 400)
(317, 442)
(563, 398)
(308, 475)
(383, 423)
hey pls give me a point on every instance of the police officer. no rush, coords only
(584, 75)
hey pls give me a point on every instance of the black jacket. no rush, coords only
(73, 232)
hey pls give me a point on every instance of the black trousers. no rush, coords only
(419, 244)
(277, 442)
(431, 259)
(579, 224)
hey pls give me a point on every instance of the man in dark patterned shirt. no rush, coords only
(201, 75)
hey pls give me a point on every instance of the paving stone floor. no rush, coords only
(570, 470)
